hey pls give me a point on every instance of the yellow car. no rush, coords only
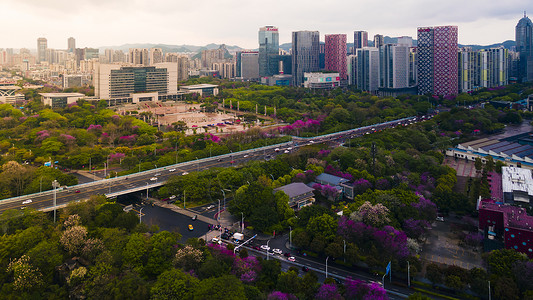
(190, 227)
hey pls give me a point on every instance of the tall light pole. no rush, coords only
(105, 169)
(242, 222)
(218, 215)
(183, 199)
(345, 250)
(408, 275)
(327, 266)
(41, 185)
(147, 191)
(197, 165)
(224, 193)
(140, 214)
(55, 185)
(489, 290)
(267, 248)
(90, 167)
(290, 237)
(140, 161)
(176, 152)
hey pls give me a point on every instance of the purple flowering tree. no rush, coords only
(276, 295)
(361, 185)
(382, 184)
(246, 268)
(427, 210)
(328, 292)
(414, 228)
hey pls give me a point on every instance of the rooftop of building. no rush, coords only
(516, 146)
(513, 217)
(199, 86)
(331, 179)
(517, 179)
(294, 189)
(62, 94)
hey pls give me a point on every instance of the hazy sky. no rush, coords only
(97, 23)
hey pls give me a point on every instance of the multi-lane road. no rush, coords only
(113, 187)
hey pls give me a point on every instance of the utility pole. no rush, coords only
(373, 151)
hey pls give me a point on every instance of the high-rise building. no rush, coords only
(367, 69)
(437, 60)
(483, 69)
(268, 51)
(214, 55)
(405, 41)
(42, 45)
(360, 40)
(183, 68)
(305, 54)
(394, 66)
(71, 44)
(156, 56)
(121, 83)
(379, 40)
(524, 46)
(139, 56)
(249, 65)
(335, 54)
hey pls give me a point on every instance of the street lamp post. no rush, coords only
(90, 167)
(176, 152)
(55, 185)
(140, 161)
(224, 193)
(408, 275)
(218, 215)
(197, 165)
(242, 222)
(147, 191)
(41, 185)
(327, 266)
(489, 291)
(183, 199)
(140, 214)
(290, 237)
(267, 248)
(344, 250)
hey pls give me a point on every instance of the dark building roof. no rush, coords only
(331, 179)
(294, 189)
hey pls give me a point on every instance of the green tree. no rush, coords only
(224, 287)
(174, 284)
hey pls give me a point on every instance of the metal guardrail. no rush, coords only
(139, 174)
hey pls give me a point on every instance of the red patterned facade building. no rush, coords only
(437, 60)
(335, 55)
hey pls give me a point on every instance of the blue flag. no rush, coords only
(388, 269)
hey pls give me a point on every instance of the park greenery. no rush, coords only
(397, 175)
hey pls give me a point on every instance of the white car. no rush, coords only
(27, 201)
(291, 258)
(277, 251)
(246, 156)
(286, 151)
(440, 219)
(153, 178)
(172, 170)
(265, 247)
(172, 197)
(184, 173)
(158, 174)
(216, 241)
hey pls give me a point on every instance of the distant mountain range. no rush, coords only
(286, 46)
(171, 48)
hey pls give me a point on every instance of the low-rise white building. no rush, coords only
(60, 99)
(319, 80)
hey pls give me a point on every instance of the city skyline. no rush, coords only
(99, 24)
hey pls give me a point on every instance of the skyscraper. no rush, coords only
(305, 52)
(360, 40)
(367, 69)
(524, 46)
(156, 56)
(139, 56)
(336, 54)
(268, 51)
(42, 45)
(71, 44)
(379, 40)
(437, 60)
(394, 66)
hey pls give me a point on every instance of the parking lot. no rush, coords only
(442, 247)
